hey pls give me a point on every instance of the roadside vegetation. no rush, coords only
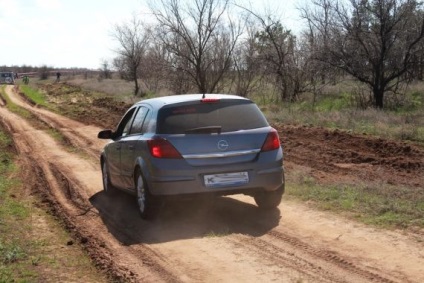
(10, 210)
(33, 245)
(35, 96)
(337, 108)
(376, 203)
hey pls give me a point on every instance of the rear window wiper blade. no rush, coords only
(204, 130)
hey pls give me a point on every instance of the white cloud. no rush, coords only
(9, 9)
(49, 4)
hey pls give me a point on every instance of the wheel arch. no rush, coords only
(102, 159)
(140, 164)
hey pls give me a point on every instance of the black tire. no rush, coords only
(148, 206)
(269, 200)
(107, 185)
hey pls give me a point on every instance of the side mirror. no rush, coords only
(105, 134)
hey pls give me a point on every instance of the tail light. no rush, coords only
(161, 148)
(272, 141)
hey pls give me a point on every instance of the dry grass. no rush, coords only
(120, 89)
(336, 111)
(110, 86)
(400, 126)
(335, 107)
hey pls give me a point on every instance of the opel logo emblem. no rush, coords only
(223, 145)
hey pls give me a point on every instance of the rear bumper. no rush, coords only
(267, 179)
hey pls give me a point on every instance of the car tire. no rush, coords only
(269, 200)
(107, 185)
(148, 206)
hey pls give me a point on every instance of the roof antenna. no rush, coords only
(203, 97)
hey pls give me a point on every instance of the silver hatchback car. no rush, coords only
(7, 78)
(190, 145)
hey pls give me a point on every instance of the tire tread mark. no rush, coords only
(330, 256)
(314, 272)
(71, 136)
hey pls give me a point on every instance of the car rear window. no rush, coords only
(227, 115)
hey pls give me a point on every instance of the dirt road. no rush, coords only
(230, 242)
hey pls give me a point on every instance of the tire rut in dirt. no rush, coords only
(127, 236)
(331, 256)
(70, 137)
(308, 270)
(95, 246)
(316, 265)
(65, 197)
(71, 189)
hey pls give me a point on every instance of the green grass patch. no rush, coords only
(378, 204)
(14, 218)
(32, 243)
(333, 103)
(35, 96)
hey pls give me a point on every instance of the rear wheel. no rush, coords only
(269, 200)
(147, 206)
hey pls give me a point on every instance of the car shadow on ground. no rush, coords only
(182, 219)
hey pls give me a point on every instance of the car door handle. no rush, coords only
(131, 147)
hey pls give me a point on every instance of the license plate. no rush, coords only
(226, 179)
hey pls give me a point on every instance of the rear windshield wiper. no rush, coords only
(204, 130)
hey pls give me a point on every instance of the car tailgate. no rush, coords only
(216, 149)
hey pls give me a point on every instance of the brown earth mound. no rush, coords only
(87, 108)
(338, 153)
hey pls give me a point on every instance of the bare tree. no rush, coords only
(417, 71)
(315, 38)
(105, 72)
(133, 38)
(157, 73)
(372, 40)
(275, 49)
(247, 69)
(199, 38)
(318, 35)
(276, 46)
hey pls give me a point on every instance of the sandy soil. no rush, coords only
(231, 241)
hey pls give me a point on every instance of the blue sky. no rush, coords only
(75, 33)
